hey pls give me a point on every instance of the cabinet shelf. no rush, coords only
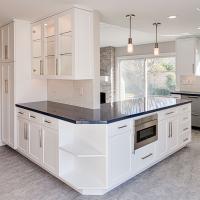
(65, 33)
(37, 40)
(49, 36)
(65, 54)
(80, 149)
(82, 179)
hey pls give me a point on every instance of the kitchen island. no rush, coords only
(94, 151)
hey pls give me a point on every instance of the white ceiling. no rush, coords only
(114, 29)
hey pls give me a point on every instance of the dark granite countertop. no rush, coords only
(108, 113)
(186, 93)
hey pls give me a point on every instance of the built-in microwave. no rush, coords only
(146, 131)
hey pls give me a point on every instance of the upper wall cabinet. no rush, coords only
(188, 56)
(6, 43)
(62, 46)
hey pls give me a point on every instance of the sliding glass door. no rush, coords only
(154, 76)
(132, 78)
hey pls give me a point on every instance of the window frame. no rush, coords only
(134, 57)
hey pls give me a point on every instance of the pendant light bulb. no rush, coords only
(156, 48)
(130, 45)
(130, 41)
(156, 51)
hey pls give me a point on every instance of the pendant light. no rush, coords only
(156, 48)
(130, 41)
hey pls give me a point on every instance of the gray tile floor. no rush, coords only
(176, 178)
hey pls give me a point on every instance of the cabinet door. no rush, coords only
(23, 129)
(50, 44)
(7, 98)
(173, 134)
(5, 42)
(37, 50)
(35, 142)
(65, 44)
(1, 45)
(120, 156)
(161, 145)
(5, 104)
(50, 149)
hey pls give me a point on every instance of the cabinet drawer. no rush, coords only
(184, 108)
(143, 157)
(50, 122)
(167, 113)
(186, 126)
(120, 127)
(185, 137)
(35, 117)
(184, 117)
(22, 113)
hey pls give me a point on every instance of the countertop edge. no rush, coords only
(186, 93)
(100, 122)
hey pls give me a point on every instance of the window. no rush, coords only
(154, 76)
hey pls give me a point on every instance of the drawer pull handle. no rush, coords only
(186, 139)
(185, 129)
(122, 127)
(47, 121)
(147, 156)
(169, 113)
(32, 116)
(192, 97)
(21, 113)
(195, 115)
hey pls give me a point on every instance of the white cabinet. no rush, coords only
(174, 130)
(7, 72)
(172, 141)
(6, 44)
(50, 149)
(187, 57)
(23, 135)
(161, 147)
(62, 46)
(120, 156)
(35, 142)
(143, 158)
(38, 141)
(17, 85)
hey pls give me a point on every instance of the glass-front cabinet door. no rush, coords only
(65, 44)
(50, 59)
(37, 55)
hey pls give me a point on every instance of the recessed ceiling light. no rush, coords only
(198, 9)
(172, 17)
(198, 28)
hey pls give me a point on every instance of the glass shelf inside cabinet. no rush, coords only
(49, 28)
(36, 32)
(65, 43)
(64, 24)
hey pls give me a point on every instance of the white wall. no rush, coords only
(84, 93)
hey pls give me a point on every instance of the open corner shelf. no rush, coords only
(82, 180)
(80, 149)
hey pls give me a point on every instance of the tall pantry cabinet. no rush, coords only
(17, 85)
